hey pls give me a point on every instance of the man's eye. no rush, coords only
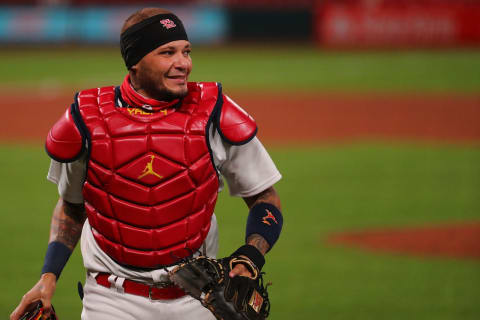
(168, 53)
(187, 52)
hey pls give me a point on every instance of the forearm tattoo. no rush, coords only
(67, 223)
(258, 242)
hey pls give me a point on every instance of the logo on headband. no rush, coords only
(167, 23)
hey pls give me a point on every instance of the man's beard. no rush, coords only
(160, 93)
(169, 95)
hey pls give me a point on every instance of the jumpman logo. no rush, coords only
(149, 170)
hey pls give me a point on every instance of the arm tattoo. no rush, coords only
(258, 242)
(76, 211)
(269, 195)
(67, 223)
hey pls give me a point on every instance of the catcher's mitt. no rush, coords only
(207, 280)
(37, 312)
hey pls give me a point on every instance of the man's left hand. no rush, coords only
(240, 270)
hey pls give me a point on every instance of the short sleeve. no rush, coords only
(248, 169)
(69, 178)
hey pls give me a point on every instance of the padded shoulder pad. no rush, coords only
(65, 142)
(235, 125)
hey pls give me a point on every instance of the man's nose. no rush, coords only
(181, 62)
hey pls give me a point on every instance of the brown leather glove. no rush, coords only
(37, 313)
(207, 280)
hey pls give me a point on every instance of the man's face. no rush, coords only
(163, 73)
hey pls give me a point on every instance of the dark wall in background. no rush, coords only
(159, 3)
(205, 23)
(257, 24)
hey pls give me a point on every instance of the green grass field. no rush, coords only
(326, 188)
(302, 68)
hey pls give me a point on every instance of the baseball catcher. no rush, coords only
(208, 280)
(139, 166)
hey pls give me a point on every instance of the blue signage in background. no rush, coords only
(99, 25)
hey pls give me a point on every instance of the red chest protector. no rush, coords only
(151, 184)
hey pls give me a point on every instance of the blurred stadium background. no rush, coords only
(370, 108)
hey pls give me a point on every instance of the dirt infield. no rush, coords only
(286, 118)
(456, 241)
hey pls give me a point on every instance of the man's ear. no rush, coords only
(133, 75)
(133, 70)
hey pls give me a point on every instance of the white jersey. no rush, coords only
(248, 170)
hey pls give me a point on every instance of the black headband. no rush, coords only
(149, 34)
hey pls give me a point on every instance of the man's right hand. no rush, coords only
(43, 291)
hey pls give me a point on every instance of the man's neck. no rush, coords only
(141, 98)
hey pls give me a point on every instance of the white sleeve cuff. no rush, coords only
(248, 169)
(257, 189)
